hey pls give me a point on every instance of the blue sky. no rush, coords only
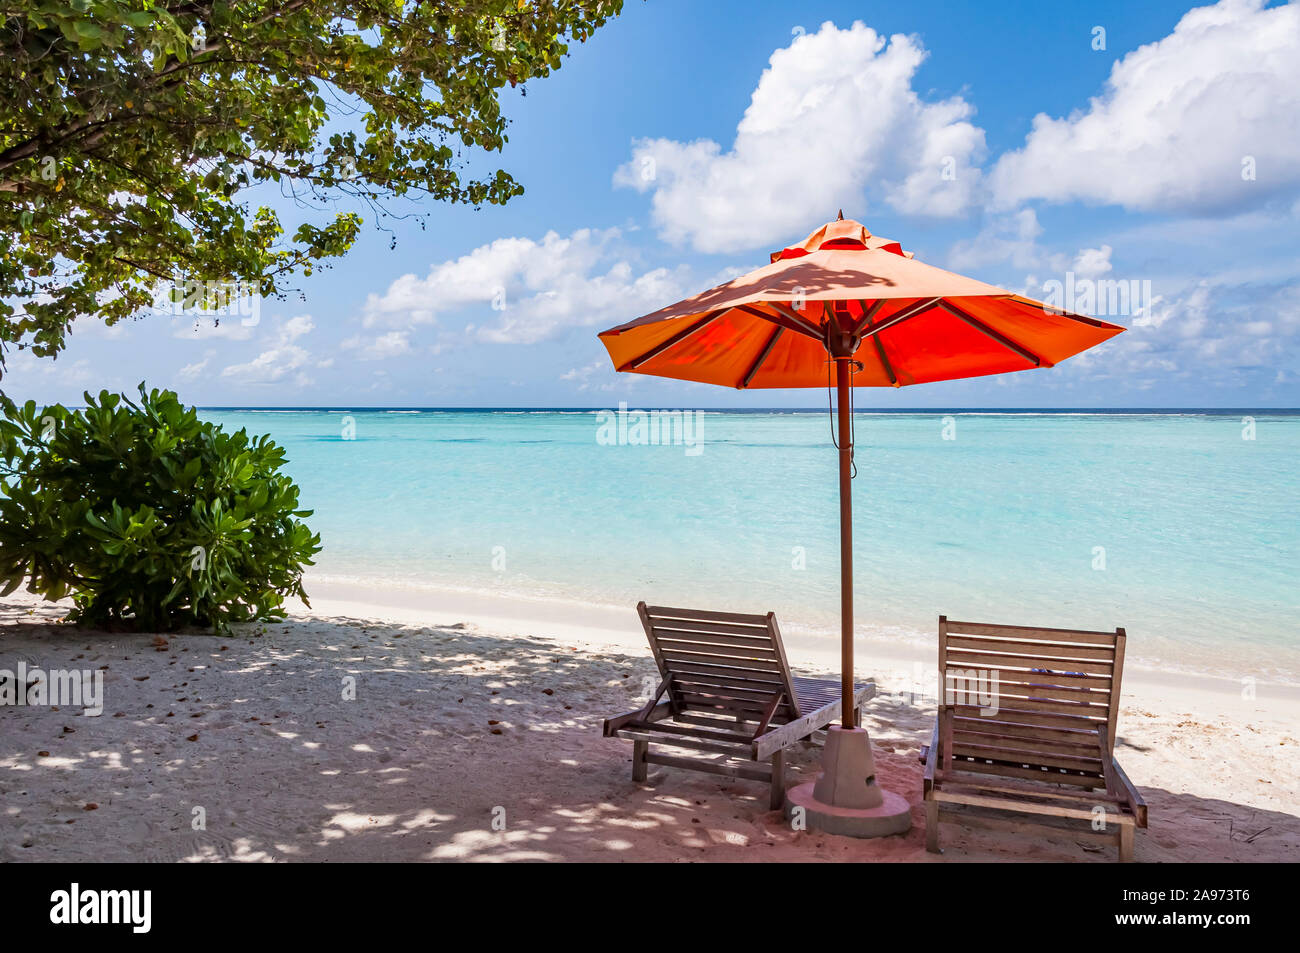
(1020, 143)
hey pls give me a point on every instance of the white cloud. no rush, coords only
(1176, 121)
(204, 328)
(283, 359)
(833, 112)
(1013, 239)
(1009, 238)
(486, 276)
(93, 326)
(22, 368)
(296, 327)
(1092, 262)
(531, 289)
(584, 373)
(602, 369)
(269, 366)
(193, 371)
(1214, 334)
(381, 347)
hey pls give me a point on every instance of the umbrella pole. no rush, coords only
(842, 384)
(845, 798)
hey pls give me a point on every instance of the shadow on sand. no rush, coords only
(341, 739)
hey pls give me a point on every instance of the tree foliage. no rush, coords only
(147, 516)
(128, 131)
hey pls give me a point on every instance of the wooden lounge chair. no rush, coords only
(725, 690)
(1026, 725)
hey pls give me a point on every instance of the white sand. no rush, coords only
(254, 730)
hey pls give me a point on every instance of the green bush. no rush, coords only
(148, 517)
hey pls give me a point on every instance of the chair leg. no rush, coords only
(1125, 843)
(932, 827)
(776, 800)
(638, 760)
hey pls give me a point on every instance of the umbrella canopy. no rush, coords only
(907, 322)
(883, 318)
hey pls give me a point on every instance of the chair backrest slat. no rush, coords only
(720, 661)
(1026, 701)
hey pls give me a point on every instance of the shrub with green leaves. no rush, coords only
(147, 516)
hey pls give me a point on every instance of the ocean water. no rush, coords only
(1172, 525)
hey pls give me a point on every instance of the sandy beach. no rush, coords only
(474, 734)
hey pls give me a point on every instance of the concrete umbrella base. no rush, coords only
(845, 798)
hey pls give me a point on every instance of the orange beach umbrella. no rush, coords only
(848, 297)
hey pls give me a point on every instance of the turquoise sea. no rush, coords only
(1182, 527)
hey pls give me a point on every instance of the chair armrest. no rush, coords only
(1130, 790)
(611, 726)
(1118, 784)
(931, 759)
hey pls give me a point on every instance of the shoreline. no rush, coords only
(619, 626)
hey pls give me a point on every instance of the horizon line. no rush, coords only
(595, 408)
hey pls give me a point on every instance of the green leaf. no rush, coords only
(426, 76)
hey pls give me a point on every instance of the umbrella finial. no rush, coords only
(841, 216)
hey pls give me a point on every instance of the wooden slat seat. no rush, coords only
(726, 690)
(1026, 725)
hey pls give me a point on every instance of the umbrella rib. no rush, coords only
(665, 345)
(767, 349)
(884, 360)
(809, 329)
(997, 336)
(869, 313)
(781, 320)
(910, 311)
